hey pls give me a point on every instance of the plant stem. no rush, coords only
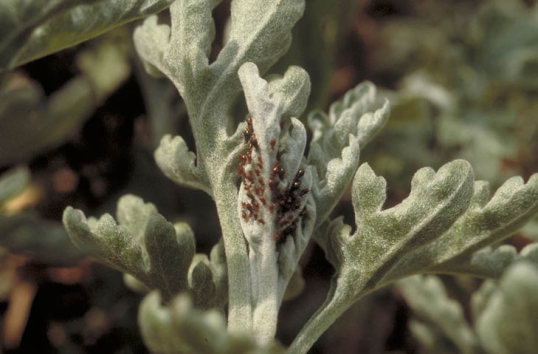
(264, 265)
(239, 288)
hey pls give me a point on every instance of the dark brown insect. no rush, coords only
(272, 143)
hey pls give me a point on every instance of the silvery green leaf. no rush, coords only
(180, 51)
(431, 306)
(294, 87)
(364, 258)
(151, 40)
(33, 29)
(276, 209)
(13, 182)
(191, 33)
(383, 237)
(201, 282)
(179, 327)
(492, 263)
(142, 243)
(337, 140)
(293, 247)
(260, 32)
(485, 222)
(179, 164)
(217, 258)
(508, 319)
(274, 149)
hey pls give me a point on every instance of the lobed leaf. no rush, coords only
(276, 209)
(365, 259)
(192, 32)
(151, 40)
(179, 164)
(294, 89)
(383, 237)
(201, 282)
(484, 223)
(179, 50)
(143, 244)
(491, 263)
(337, 140)
(260, 32)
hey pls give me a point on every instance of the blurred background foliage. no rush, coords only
(79, 127)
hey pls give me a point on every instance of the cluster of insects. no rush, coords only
(281, 199)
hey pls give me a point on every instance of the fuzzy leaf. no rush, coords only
(492, 263)
(508, 320)
(201, 282)
(143, 244)
(181, 328)
(428, 299)
(260, 31)
(217, 258)
(151, 40)
(180, 51)
(33, 29)
(337, 140)
(385, 236)
(179, 164)
(484, 223)
(364, 259)
(276, 209)
(274, 147)
(294, 87)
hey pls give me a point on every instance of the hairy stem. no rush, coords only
(239, 303)
(265, 314)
